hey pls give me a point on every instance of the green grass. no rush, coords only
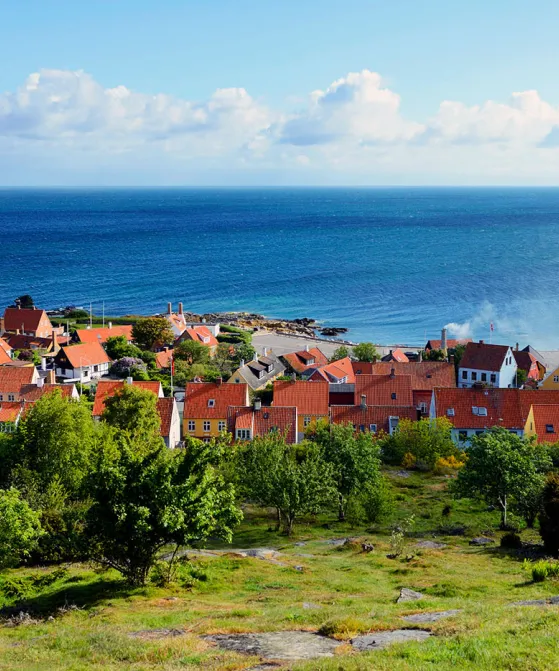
(95, 613)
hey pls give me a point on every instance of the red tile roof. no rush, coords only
(546, 423)
(86, 354)
(503, 406)
(529, 397)
(4, 349)
(18, 341)
(262, 421)
(378, 415)
(363, 367)
(310, 398)
(23, 319)
(31, 392)
(201, 334)
(384, 390)
(163, 358)
(101, 334)
(337, 370)
(303, 360)
(107, 388)
(13, 378)
(197, 397)
(396, 355)
(450, 343)
(527, 362)
(481, 356)
(425, 375)
(165, 408)
(9, 412)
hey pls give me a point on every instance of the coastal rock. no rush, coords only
(482, 540)
(430, 545)
(284, 645)
(420, 618)
(382, 639)
(409, 595)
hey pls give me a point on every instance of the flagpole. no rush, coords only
(172, 367)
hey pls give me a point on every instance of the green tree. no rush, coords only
(521, 377)
(244, 352)
(340, 353)
(145, 499)
(549, 516)
(20, 528)
(223, 361)
(24, 301)
(294, 479)
(354, 459)
(192, 352)
(426, 440)
(117, 347)
(152, 332)
(435, 355)
(365, 351)
(457, 353)
(501, 468)
(134, 411)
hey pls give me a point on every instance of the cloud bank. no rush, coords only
(354, 126)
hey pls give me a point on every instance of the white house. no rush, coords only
(82, 363)
(488, 365)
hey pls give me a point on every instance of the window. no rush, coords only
(221, 425)
(462, 435)
(95, 369)
(484, 377)
(11, 397)
(206, 426)
(493, 377)
(260, 374)
(549, 428)
(362, 428)
(211, 403)
(270, 367)
(358, 372)
(450, 412)
(556, 378)
(393, 395)
(480, 433)
(464, 374)
(423, 407)
(481, 412)
(237, 380)
(206, 440)
(191, 425)
(474, 376)
(243, 434)
(373, 428)
(1, 397)
(306, 421)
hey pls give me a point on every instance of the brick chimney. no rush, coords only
(392, 373)
(219, 380)
(443, 339)
(180, 308)
(51, 377)
(169, 309)
(55, 345)
(363, 402)
(257, 404)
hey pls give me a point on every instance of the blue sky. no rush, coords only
(328, 92)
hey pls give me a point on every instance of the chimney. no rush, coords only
(516, 348)
(264, 351)
(242, 363)
(219, 380)
(293, 377)
(306, 348)
(451, 359)
(110, 325)
(257, 404)
(43, 363)
(180, 308)
(482, 342)
(363, 402)
(420, 356)
(129, 380)
(169, 309)
(443, 339)
(40, 382)
(51, 377)
(392, 373)
(17, 330)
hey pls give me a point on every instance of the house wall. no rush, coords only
(175, 430)
(199, 431)
(85, 373)
(503, 378)
(551, 382)
(301, 428)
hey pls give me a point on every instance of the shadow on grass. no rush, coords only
(87, 596)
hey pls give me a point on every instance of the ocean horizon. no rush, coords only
(391, 264)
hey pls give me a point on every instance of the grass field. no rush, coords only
(80, 619)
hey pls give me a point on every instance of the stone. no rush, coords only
(402, 474)
(529, 602)
(282, 645)
(430, 545)
(430, 617)
(367, 547)
(307, 605)
(305, 556)
(299, 544)
(151, 634)
(382, 639)
(482, 540)
(408, 595)
(336, 542)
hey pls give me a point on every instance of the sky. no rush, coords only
(314, 92)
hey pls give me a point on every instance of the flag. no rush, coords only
(491, 327)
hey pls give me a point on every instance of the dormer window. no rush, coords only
(211, 403)
(310, 362)
(549, 428)
(373, 428)
(393, 395)
(260, 374)
(205, 339)
(269, 367)
(450, 412)
(481, 412)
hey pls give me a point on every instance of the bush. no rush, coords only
(511, 541)
(130, 366)
(448, 465)
(542, 569)
(549, 517)
(343, 628)
(409, 460)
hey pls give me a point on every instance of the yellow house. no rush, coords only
(551, 382)
(310, 399)
(543, 423)
(206, 406)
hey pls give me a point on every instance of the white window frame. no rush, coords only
(307, 419)
(207, 425)
(221, 425)
(191, 425)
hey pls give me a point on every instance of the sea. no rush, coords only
(392, 265)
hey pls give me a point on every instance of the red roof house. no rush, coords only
(29, 321)
(374, 419)
(304, 360)
(248, 423)
(337, 372)
(396, 355)
(85, 362)
(13, 379)
(387, 390)
(107, 388)
(101, 334)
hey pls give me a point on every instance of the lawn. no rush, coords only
(76, 618)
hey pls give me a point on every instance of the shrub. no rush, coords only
(343, 628)
(511, 541)
(542, 569)
(409, 460)
(446, 465)
(549, 517)
(130, 366)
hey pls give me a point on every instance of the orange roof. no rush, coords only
(31, 392)
(9, 412)
(362, 367)
(107, 388)
(85, 354)
(165, 409)
(101, 334)
(529, 397)
(450, 343)
(262, 421)
(303, 360)
(425, 375)
(163, 358)
(337, 370)
(211, 400)
(384, 389)
(365, 417)
(500, 407)
(13, 378)
(546, 423)
(310, 398)
(27, 319)
(201, 334)
(396, 355)
(4, 349)
(19, 341)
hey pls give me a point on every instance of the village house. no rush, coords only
(101, 334)
(528, 363)
(372, 419)
(543, 423)
(85, 362)
(206, 407)
(13, 379)
(18, 341)
(310, 398)
(30, 322)
(248, 423)
(540, 360)
(6, 352)
(304, 361)
(337, 372)
(170, 428)
(178, 323)
(396, 355)
(444, 344)
(163, 358)
(492, 365)
(201, 334)
(258, 372)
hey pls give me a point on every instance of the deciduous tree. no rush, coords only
(20, 528)
(340, 353)
(365, 351)
(152, 333)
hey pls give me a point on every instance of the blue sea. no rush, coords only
(392, 265)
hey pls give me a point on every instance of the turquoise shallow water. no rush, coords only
(390, 264)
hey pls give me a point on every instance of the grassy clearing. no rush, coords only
(94, 614)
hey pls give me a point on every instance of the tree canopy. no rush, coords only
(20, 528)
(152, 333)
(365, 351)
(134, 411)
(340, 353)
(192, 352)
